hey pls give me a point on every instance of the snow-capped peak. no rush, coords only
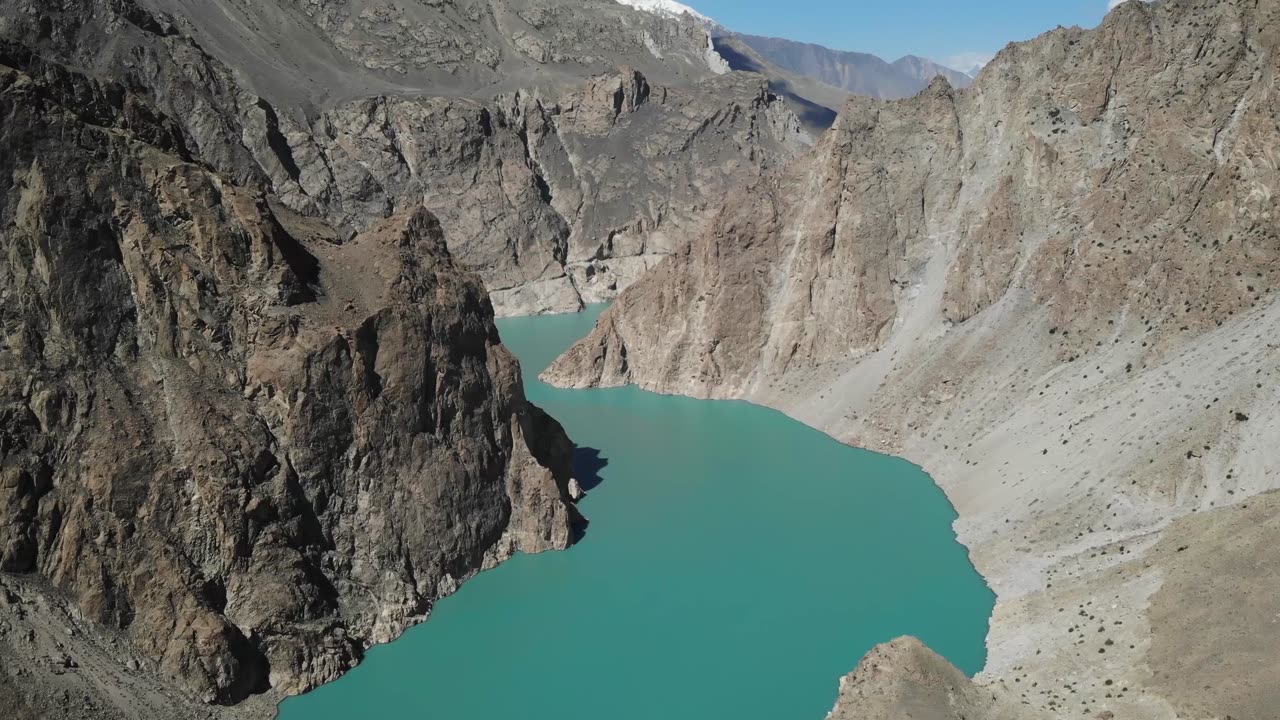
(665, 7)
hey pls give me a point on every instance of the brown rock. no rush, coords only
(204, 445)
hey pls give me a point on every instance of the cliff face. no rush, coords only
(341, 49)
(1055, 290)
(558, 179)
(250, 447)
(552, 200)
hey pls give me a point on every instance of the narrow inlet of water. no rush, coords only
(737, 564)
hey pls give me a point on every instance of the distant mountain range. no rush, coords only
(855, 72)
(816, 80)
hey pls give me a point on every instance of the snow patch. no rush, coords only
(671, 8)
(665, 7)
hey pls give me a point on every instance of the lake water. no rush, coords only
(737, 564)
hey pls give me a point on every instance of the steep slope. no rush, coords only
(1056, 292)
(323, 52)
(905, 679)
(552, 200)
(855, 72)
(530, 194)
(243, 446)
(925, 70)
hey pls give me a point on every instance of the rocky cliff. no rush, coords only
(552, 200)
(558, 178)
(236, 446)
(1056, 291)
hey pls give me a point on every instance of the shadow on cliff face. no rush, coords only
(587, 464)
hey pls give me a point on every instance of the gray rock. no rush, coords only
(553, 201)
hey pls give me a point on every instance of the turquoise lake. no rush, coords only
(737, 564)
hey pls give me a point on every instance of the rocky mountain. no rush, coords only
(323, 52)
(238, 444)
(667, 7)
(248, 444)
(255, 415)
(855, 72)
(553, 201)
(542, 173)
(925, 70)
(1056, 291)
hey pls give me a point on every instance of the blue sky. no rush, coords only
(938, 29)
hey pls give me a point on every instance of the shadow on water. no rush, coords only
(587, 464)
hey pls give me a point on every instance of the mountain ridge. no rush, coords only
(857, 72)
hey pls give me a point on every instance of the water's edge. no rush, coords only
(723, 530)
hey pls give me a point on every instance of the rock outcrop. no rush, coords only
(905, 679)
(247, 444)
(1056, 291)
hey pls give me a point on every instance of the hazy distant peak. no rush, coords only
(968, 63)
(924, 70)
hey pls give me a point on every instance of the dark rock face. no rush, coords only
(252, 449)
